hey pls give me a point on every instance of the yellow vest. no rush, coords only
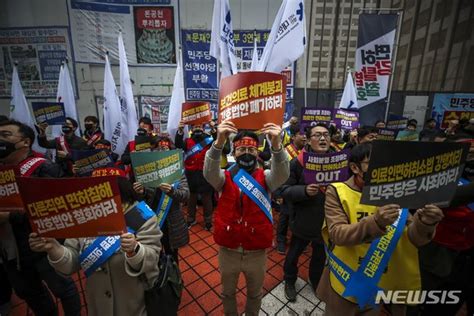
(286, 138)
(402, 272)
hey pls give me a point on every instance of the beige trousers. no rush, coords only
(252, 264)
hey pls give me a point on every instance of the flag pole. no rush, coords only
(395, 52)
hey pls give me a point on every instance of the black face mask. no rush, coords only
(66, 129)
(247, 161)
(89, 126)
(142, 132)
(198, 134)
(6, 148)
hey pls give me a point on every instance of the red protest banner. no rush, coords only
(73, 208)
(10, 198)
(251, 99)
(195, 113)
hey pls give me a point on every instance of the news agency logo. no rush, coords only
(418, 297)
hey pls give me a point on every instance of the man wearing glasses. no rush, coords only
(306, 207)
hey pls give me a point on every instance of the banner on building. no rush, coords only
(374, 56)
(39, 52)
(327, 168)
(311, 117)
(413, 174)
(149, 29)
(85, 161)
(452, 106)
(10, 198)
(157, 109)
(74, 207)
(153, 168)
(251, 99)
(415, 108)
(196, 112)
(51, 113)
(346, 120)
(200, 69)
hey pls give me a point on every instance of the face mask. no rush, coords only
(6, 148)
(141, 132)
(66, 129)
(89, 126)
(247, 162)
(197, 134)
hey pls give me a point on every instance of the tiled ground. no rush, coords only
(198, 264)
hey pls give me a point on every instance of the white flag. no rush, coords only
(349, 96)
(287, 39)
(222, 38)
(19, 109)
(176, 103)
(65, 94)
(112, 112)
(129, 112)
(254, 65)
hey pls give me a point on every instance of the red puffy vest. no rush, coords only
(456, 230)
(195, 162)
(238, 221)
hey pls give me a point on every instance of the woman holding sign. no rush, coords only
(370, 248)
(243, 222)
(125, 266)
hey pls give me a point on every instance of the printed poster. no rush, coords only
(200, 69)
(346, 120)
(95, 25)
(413, 174)
(86, 161)
(39, 52)
(327, 168)
(408, 136)
(10, 198)
(452, 106)
(251, 99)
(154, 35)
(312, 117)
(195, 113)
(153, 168)
(49, 112)
(73, 207)
(387, 134)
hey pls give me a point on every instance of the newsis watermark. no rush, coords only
(418, 297)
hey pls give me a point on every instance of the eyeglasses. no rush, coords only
(319, 135)
(250, 150)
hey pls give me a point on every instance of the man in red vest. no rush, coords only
(243, 223)
(195, 149)
(27, 270)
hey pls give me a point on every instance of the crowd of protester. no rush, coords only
(435, 252)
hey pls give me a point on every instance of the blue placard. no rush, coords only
(200, 69)
(49, 112)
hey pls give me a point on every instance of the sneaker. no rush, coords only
(208, 227)
(192, 223)
(281, 248)
(290, 292)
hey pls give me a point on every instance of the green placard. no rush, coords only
(408, 135)
(153, 168)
